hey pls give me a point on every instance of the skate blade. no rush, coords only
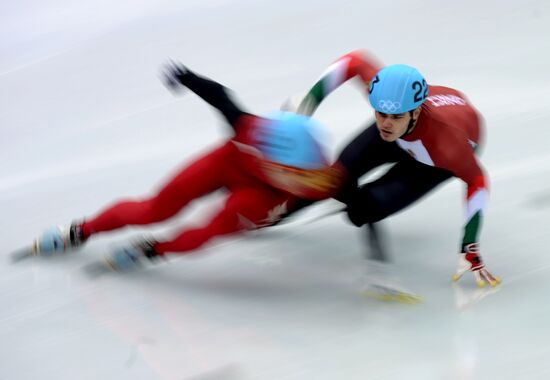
(393, 296)
(21, 254)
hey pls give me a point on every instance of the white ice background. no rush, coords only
(84, 120)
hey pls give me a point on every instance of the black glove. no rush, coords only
(170, 75)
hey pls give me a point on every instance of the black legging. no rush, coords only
(407, 181)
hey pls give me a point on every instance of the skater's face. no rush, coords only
(393, 126)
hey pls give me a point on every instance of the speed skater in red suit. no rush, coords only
(268, 165)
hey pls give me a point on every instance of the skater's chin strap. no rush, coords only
(410, 126)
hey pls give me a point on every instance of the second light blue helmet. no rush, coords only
(292, 140)
(397, 89)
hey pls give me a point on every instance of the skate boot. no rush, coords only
(58, 240)
(132, 256)
(381, 283)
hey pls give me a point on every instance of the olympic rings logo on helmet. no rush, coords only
(388, 106)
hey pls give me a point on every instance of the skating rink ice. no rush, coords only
(84, 120)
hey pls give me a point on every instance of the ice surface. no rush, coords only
(84, 120)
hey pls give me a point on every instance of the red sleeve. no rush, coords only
(362, 64)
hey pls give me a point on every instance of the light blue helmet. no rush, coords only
(397, 89)
(290, 139)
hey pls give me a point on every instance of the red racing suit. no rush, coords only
(252, 202)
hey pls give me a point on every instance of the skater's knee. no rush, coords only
(360, 215)
(363, 207)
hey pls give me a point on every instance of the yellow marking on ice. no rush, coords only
(410, 299)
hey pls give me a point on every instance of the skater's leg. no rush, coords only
(405, 183)
(401, 186)
(201, 177)
(245, 209)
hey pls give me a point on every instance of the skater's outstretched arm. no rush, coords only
(176, 75)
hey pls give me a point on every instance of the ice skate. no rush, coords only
(132, 256)
(381, 283)
(126, 258)
(58, 240)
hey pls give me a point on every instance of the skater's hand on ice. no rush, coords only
(469, 260)
(170, 74)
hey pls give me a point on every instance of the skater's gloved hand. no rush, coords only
(170, 75)
(469, 260)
